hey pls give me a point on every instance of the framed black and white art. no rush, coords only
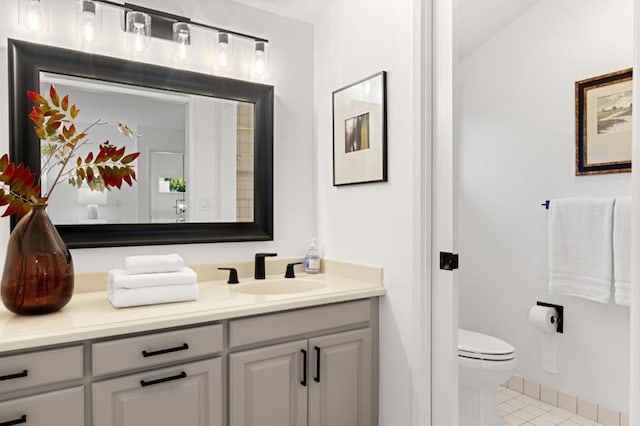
(360, 132)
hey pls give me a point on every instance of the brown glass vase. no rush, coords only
(38, 269)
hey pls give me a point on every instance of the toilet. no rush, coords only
(484, 362)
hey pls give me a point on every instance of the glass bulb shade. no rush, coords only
(89, 21)
(224, 50)
(261, 58)
(138, 26)
(33, 15)
(182, 39)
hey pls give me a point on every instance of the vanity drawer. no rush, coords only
(155, 349)
(40, 368)
(64, 407)
(263, 328)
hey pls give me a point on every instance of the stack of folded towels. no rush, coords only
(152, 279)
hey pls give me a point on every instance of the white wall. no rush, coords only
(516, 144)
(294, 193)
(372, 223)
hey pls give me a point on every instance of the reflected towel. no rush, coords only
(119, 278)
(149, 264)
(123, 297)
(580, 247)
(622, 250)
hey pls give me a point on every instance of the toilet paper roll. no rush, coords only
(544, 318)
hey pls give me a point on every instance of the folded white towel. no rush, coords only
(622, 250)
(580, 247)
(149, 264)
(123, 297)
(118, 278)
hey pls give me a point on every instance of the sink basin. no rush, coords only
(283, 286)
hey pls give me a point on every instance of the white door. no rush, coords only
(444, 293)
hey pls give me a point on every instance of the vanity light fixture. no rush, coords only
(141, 24)
(224, 50)
(33, 15)
(89, 20)
(182, 38)
(261, 58)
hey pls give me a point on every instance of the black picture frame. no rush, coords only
(28, 60)
(360, 131)
(603, 123)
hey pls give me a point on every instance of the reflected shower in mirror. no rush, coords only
(196, 162)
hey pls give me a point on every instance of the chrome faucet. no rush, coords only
(259, 264)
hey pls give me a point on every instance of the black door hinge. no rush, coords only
(448, 261)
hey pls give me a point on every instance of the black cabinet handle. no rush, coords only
(304, 367)
(317, 378)
(23, 373)
(21, 420)
(184, 347)
(182, 375)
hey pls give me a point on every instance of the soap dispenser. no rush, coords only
(312, 259)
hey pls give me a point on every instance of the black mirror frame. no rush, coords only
(28, 60)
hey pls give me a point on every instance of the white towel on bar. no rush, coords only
(119, 278)
(153, 263)
(622, 250)
(124, 297)
(580, 247)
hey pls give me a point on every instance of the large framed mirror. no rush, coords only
(205, 173)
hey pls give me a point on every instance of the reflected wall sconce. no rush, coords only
(34, 15)
(141, 24)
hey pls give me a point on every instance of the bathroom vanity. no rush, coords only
(230, 358)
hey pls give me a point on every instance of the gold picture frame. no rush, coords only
(603, 123)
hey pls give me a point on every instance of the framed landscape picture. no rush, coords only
(359, 132)
(603, 123)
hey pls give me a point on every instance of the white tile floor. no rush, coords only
(517, 409)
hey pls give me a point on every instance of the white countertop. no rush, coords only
(90, 315)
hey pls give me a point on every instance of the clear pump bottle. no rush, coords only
(312, 259)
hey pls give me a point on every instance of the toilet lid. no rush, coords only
(480, 346)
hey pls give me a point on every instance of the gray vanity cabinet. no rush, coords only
(323, 380)
(340, 388)
(42, 374)
(265, 386)
(185, 395)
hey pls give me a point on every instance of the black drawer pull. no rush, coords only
(19, 421)
(183, 347)
(23, 373)
(182, 375)
(317, 378)
(304, 367)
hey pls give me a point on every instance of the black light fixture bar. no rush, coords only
(162, 22)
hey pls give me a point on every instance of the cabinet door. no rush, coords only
(340, 384)
(185, 395)
(268, 386)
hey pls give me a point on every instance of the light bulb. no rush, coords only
(33, 18)
(260, 58)
(224, 50)
(138, 36)
(182, 38)
(260, 68)
(88, 26)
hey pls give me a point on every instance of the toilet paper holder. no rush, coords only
(560, 310)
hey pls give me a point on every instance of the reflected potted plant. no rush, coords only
(38, 275)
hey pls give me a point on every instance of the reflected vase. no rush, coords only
(38, 269)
